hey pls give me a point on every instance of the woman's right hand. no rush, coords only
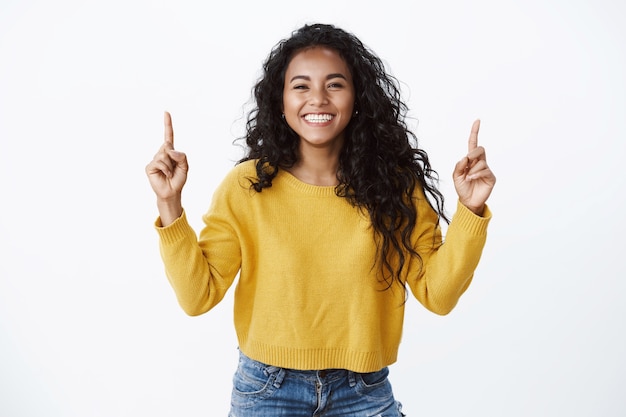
(167, 173)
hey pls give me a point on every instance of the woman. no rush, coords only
(329, 220)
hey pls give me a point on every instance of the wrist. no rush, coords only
(477, 210)
(169, 210)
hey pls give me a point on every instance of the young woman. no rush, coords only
(329, 220)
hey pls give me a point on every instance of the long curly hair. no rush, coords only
(380, 164)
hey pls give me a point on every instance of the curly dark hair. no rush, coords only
(380, 164)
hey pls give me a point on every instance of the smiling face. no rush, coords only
(318, 98)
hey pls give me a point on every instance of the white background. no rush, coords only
(88, 323)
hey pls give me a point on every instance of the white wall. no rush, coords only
(88, 323)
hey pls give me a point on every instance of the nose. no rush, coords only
(318, 97)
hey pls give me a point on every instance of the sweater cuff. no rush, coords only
(466, 219)
(178, 230)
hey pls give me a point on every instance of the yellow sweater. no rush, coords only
(308, 294)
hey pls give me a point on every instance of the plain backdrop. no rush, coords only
(88, 323)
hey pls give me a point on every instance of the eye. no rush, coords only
(300, 87)
(335, 85)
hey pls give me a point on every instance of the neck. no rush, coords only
(317, 168)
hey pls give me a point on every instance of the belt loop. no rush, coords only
(280, 376)
(351, 379)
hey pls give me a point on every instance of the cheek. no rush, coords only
(348, 105)
(349, 100)
(289, 103)
(287, 100)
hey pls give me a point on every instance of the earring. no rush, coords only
(356, 112)
(283, 116)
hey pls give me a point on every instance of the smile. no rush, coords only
(318, 118)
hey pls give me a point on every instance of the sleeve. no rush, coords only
(201, 270)
(446, 268)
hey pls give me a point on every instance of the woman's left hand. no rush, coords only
(473, 179)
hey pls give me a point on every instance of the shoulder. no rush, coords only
(422, 202)
(236, 186)
(246, 168)
(235, 189)
(427, 215)
(240, 175)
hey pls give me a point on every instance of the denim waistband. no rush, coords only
(322, 375)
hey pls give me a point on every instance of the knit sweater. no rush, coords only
(309, 294)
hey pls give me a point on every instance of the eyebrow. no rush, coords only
(328, 77)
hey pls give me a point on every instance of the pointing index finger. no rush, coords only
(473, 138)
(169, 130)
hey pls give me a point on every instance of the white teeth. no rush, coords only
(318, 118)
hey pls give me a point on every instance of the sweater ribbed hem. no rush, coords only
(318, 358)
(465, 219)
(175, 232)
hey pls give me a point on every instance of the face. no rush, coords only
(318, 97)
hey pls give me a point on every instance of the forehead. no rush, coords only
(317, 59)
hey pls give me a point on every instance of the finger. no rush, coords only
(163, 158)
(169, 130)
(473, 138)
(484, 174)
(159, 167)
(473, 157)
(478, 153)
(461, 167)
(477, 167)
(179, 158)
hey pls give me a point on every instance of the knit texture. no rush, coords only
(309, 293)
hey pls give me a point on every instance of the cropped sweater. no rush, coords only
(308, 292)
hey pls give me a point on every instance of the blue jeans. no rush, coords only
(261, 390)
